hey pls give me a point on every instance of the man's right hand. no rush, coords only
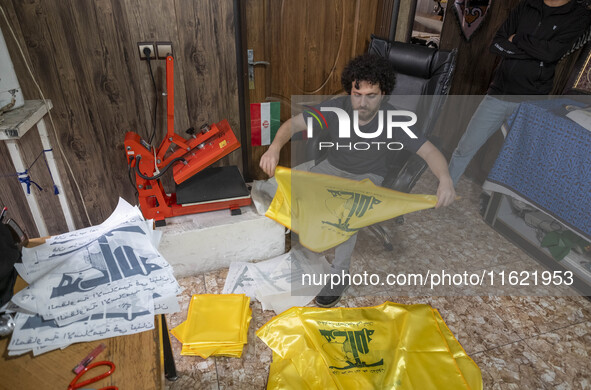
(269, 160)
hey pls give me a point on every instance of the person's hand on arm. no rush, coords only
(551, 50)
(270, 158)
(446, 194)
(502, 43)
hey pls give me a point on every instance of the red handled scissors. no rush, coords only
(75, 385)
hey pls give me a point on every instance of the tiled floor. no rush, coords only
(519, 342)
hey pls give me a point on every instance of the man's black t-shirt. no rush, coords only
(348, 154)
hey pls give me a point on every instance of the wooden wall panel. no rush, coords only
(312, 43)
(85, 58)
(307, 44)
(383, 18)
(404, 26)
(366, 24)
(9, 185)
(207, 51)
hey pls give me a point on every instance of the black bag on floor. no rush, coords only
(9, 254)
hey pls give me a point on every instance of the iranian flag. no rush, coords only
(264, 122)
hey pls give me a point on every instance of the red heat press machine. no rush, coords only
(198, 188)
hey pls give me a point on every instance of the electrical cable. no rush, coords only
(147, 52)
(50, 116)
(138, 158)
(130, 178)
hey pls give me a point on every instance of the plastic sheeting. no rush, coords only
(381, 347)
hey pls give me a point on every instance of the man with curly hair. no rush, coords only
(367, 79)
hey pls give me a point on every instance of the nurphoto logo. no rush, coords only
(395, 119)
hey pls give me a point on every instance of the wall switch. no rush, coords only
(150, 45)
(163, 49)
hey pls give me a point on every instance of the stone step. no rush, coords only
(209, 241)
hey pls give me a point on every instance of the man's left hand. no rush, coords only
(446, 194)
(436, 162)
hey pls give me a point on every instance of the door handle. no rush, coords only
(251, 64)
(259, 63)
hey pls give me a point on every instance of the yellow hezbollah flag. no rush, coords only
(216, 325)
(390, 346)
(326, 210)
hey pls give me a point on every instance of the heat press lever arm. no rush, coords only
(171, 136)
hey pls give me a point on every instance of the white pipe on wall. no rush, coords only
(11, 95)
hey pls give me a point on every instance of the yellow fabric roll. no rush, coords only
(326, 210)
(381, 347)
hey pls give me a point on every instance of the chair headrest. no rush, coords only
(409, 59)
(412, 60)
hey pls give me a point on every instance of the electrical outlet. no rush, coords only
(150, 45)
(163, 49)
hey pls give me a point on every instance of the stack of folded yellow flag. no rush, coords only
(216, 325)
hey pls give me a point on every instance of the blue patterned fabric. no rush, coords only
(546, 159)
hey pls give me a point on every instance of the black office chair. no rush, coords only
(425, 74)
(423, 79)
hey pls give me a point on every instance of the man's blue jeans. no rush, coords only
(488, 118)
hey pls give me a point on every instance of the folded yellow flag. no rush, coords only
(390, 346)
(326, 210)
(215, 325)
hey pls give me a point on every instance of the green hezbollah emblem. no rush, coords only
(354, 343)
(346, 204)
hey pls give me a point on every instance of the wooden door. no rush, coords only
(307, 43)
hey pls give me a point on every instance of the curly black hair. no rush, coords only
(371, 68)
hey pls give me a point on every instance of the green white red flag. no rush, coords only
(264, 122)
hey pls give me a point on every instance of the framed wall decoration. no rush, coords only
(582, 81)
(471, 14)
(579, 81)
